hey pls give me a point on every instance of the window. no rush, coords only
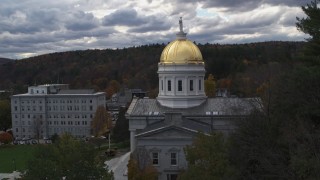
(169, 85)
(191, 85)
(155, 158)
(173, 159)
(200, 84)
(179, 85)
(16, 108)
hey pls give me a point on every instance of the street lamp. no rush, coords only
(14, 164)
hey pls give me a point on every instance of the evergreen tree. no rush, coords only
(311, 25)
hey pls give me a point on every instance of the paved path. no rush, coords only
(10, 176)
(119, 166)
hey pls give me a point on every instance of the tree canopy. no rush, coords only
(208, 158)
(140, 167)
(5, 115)
(68, 158)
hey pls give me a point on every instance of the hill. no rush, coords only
(136, 67)
(4, 60)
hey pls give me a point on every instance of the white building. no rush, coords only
(54, 109)
(165, 125)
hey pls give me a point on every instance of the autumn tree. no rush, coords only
(140, 167)
(6, 138)
(101, 123)
(5, 115)
(210, 86)
(68, 158)
(113, 87)
(208, 158)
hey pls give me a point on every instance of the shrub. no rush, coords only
(6, 138)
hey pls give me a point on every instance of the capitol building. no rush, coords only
(165, 125)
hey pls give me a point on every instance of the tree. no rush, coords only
(256, 148)
(101, 122)
(69, 158)
(140, 167)
(121, 130)
(208, 158)
(6, 138)
(5, 115)
(113, 87)
(311, 25)
(210, 86)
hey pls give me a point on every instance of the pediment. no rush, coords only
(170, 132)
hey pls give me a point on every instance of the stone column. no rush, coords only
(132, 140)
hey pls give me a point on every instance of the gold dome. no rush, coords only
(181, 51)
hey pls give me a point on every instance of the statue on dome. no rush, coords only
(181, 24)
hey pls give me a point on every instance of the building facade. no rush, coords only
(51, 109)
(165, 125)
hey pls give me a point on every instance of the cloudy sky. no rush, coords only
(33, 27)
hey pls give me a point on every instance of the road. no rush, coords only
(119, 166)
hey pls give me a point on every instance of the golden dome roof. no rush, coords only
(181, 51)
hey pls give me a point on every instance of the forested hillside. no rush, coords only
(241, 68)
(4, 60)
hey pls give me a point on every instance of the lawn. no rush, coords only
(15, 157)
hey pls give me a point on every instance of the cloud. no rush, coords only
(35, 27)
(127, 17)
(80, 21)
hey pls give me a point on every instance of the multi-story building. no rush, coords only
(51, 109)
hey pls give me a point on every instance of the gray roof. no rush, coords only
(76, 91)
(212, 106)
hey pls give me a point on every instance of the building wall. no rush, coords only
(164, 148)
(58, 113)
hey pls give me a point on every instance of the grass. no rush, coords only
(15, 157)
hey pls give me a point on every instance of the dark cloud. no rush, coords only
(154, 23)
(80, 21)
(127, 17)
